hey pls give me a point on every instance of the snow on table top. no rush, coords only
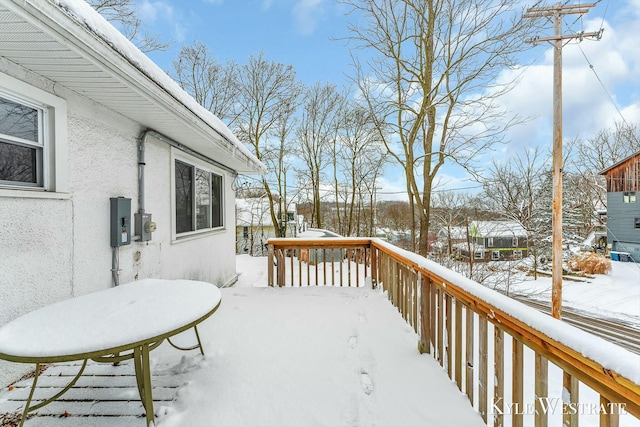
(115, 317)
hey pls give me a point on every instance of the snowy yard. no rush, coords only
(615, 295)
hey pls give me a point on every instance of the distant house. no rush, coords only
(254, 225)
(85, 118)
(623, 208)
(491, 241)
(449, 237)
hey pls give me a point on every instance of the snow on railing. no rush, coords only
(496, 349)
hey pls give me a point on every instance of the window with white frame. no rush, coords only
(629, 197)
(477, 255)
(33, 140)
(489, 242)
(495, 255)
(198, 197)
(21, 143)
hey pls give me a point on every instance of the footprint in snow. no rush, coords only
(362, 317)
(353, 341)
(367, 384)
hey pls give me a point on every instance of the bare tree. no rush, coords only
(278, 158)
(447, 214)
(315, 134)
(431, 79)
(519, 189)
(267, 91)
(123, 12)
(210, 83)
(592, 155)
(357, 159)
(607, 147)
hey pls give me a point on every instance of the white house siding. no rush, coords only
(59, 247)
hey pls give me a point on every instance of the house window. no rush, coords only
(515, 241)
(245, 232)
(198, 198)
(637, 223)
(495, 255)
(629, 197)
(33, 141)
(517, 254)
(477, 255)
(489, 242)
(21, 144)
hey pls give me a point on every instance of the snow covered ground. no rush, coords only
(334, 356)
(615, 295)
(313, 356)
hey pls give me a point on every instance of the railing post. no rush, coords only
(541, 391)
(483, 372)
(448, 322)
(441, 315)
(569, 397)
(425, 314)
(609, 413)
(280, 267)
(433, 311)
(270, 264)
(517, 383)
(415, 300)
(498, 367)
(469, 353)
(458, 344)
(374, 266)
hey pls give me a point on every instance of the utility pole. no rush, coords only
(558, 40)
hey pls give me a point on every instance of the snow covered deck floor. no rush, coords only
(274, 356)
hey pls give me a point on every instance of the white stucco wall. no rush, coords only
(58, 247)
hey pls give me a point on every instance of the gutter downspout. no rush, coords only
(141, 164)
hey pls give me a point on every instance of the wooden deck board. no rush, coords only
(104, 390)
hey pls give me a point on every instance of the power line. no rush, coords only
(591, 66)
(593, 69)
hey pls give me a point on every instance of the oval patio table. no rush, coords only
(124, 322)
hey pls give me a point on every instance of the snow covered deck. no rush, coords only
(294, 356)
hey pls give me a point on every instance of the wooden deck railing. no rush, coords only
(474, 332)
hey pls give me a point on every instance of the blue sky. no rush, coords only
(601, 79)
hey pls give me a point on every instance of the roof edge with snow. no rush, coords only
(80, 29)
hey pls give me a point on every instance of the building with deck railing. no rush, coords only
(623, 208)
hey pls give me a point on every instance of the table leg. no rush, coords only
(195, 328)
(143, 378)
(28, 403)
(193, 347)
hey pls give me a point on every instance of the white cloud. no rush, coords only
(392, 186)
(306, 14)
(160, 17)
(150, 11)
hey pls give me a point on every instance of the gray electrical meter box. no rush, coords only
(143, 226)
(120, 221)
